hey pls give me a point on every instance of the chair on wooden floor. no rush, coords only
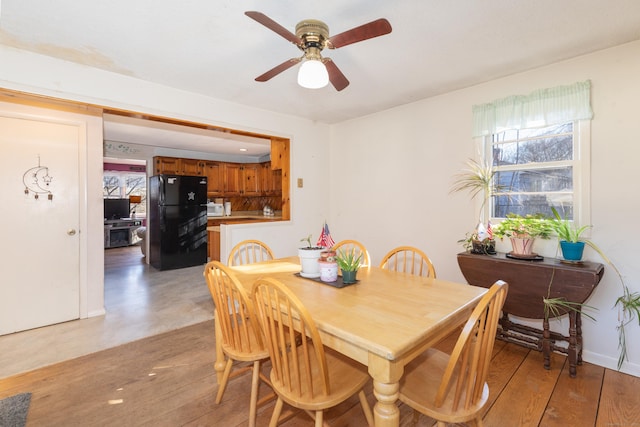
(407, 259)
(307, 375)
(238, 328)
(453, 388)
(248, 252)
(356, 247)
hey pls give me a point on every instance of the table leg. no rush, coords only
(546, 344)
(220, 362)
(386, 385)
(579, 336)
(385, 411)
(573, 347)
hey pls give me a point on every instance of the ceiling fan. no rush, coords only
(311, 37)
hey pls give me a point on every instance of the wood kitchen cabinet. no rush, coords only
(178, 166)
(233, 179)
(166, 165)
(226, 179)
(192, 167)
(250, 179)
(214, 171)
(270, 180)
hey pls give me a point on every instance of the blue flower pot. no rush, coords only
(572, 251)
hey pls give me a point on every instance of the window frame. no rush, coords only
(581, 172)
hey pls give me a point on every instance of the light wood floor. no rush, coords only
(168, 380)
(140, 301)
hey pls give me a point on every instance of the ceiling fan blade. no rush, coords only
(337, 79)
(273, 26)
(278, 69)
(373, 29)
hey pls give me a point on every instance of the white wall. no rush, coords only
(32, 73)
(403, 161)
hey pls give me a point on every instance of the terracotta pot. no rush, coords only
(522, 246)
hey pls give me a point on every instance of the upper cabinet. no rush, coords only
(250, 179)
(226, 179)
(214, 171)
(178, 166)
(270, 180)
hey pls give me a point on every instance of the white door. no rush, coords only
(40, 259)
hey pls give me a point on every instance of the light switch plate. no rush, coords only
(299, 182)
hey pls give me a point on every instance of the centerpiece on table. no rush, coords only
(310, 255)
(522, 232)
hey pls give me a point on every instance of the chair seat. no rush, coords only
(346, 377)
(420, 383)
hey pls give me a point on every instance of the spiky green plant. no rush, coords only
(565, 229)
(476, 179)
(347, 260)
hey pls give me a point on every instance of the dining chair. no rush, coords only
(453, 388)
(306, 375)
(356, 247)
(408, 259)
(238, 328)
(248, 252)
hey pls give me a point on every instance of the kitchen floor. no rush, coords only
(140, 301)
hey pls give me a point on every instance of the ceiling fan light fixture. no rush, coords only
(313, 74)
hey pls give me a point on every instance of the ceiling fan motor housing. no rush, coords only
(313, 34)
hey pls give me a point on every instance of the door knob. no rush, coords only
(71, 232)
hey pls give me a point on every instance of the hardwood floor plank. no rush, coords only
(504, 364)
(524, 399)
(572, 402)
(169, 380)
(619, 401)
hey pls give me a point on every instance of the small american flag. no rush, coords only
(489, 230)
(325, 239)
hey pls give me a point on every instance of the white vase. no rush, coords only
(309, 261)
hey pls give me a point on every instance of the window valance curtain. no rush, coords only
(544, 107)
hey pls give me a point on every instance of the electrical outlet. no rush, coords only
(299, 182)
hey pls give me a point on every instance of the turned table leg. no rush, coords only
(573, 344)
(579, 336)
(546, 344)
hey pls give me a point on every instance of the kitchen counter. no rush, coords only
(239, 217)
(245, 216)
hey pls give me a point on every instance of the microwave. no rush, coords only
(215, 209)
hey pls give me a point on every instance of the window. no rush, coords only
(120, 184)
(538, 145)
(537, 168)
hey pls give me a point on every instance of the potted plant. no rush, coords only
(349, 263)
(569, 235)
(477, 179)
(309, 256)
(522, 232)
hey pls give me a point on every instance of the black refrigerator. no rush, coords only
(177, 221)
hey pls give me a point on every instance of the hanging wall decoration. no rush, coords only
(36, 180)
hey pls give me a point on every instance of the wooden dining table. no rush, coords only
(383, 321)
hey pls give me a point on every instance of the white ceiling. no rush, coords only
(212, 48)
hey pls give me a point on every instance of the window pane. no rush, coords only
(535, 180)
(549, 144)
(111, 186)
(523, 204)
